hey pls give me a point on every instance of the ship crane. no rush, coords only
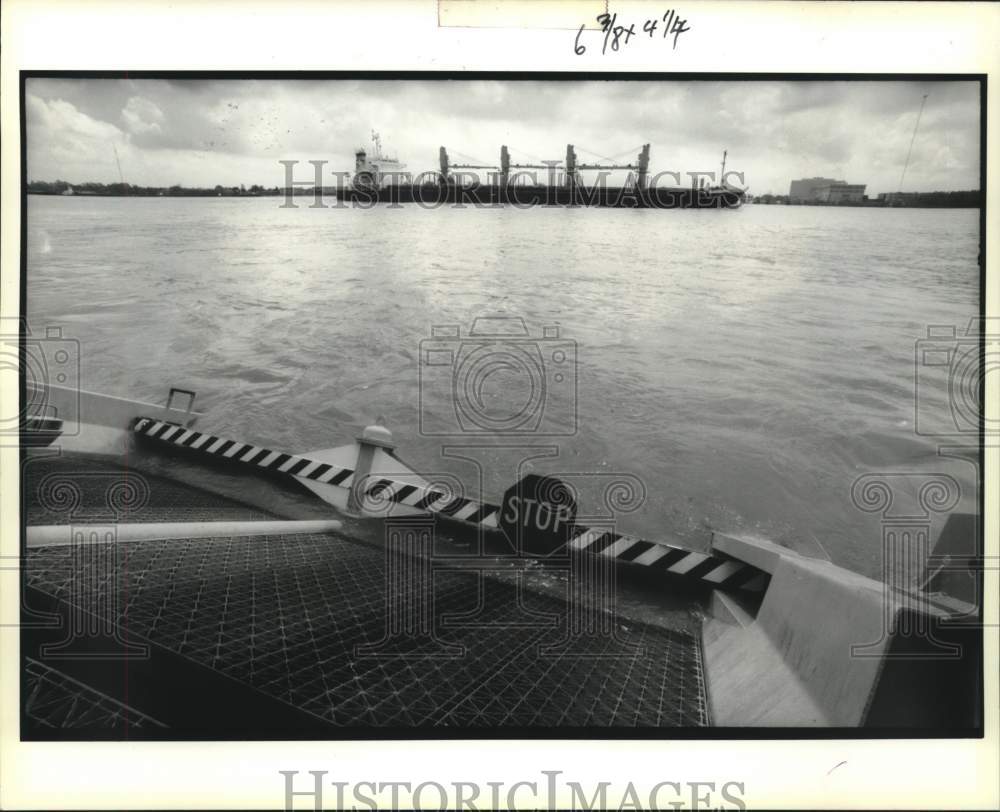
(506, 165)
(447, 166)
(570, 166)
(641, 166)
(118, 163)
(501, 172)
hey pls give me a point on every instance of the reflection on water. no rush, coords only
(748, 366)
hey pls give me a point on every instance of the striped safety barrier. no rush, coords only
(724, 573)
(711, 570)
(432, 500)
(254, 455)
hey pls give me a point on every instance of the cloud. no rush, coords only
(198, 132)
(66, 143)
(61, 116)
(142, 116)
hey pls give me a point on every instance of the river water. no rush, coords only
(746, 366)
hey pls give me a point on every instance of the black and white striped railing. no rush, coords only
(375, 490)
(254, 455)
(713, 570)
(377, 493)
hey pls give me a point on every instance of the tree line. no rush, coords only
(58, 187)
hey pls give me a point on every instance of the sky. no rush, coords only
(230, 132)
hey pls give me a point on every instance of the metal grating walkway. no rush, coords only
(53, 699)
(307, 620)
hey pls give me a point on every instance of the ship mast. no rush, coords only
(909, 152)
(121, 177)
(722, 172)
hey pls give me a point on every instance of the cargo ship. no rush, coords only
(379, 178)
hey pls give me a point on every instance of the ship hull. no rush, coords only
(525, 196)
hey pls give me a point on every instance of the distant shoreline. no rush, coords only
(963, 203)
(296, 192)
(966, 199)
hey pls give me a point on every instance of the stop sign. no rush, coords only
(537, 515)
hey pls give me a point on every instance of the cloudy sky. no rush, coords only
(203, 133)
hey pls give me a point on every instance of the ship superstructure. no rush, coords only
(377, 169)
